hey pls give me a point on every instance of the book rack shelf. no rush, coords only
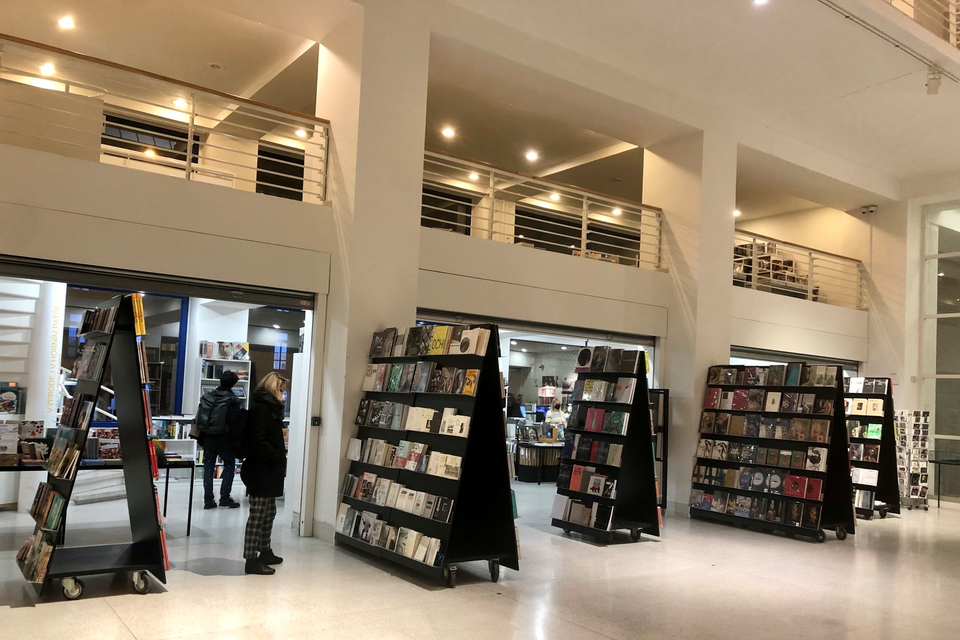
(869, 403)
(114, 339)
(627, 499)
(479, 524)
(773, 451)
(660, 418)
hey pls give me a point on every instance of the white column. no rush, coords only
(372, 86)
(43, 375)
(694, 181)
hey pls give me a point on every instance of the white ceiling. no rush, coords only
(794, 66)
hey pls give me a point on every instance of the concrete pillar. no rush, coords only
(43, 375)
(694, 181)
(373, 88)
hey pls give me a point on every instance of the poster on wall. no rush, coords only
(9, 398)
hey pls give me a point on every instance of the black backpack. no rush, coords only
(212, 414)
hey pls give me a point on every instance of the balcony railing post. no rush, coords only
(754, 263)
(585, 217)
(492, 197)
(809, 275)
(188, 169)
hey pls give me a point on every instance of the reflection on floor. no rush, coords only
(897, 578)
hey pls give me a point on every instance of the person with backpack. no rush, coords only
(263, 471)
(219, 417)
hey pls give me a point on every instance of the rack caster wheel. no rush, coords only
(883, 512)
(842, 533)
(821, 536)
(494, 570)
(450, 573)
(909, 508)
(72, 588)
(566, 531)
(635, 535)
(926, 508)
(141, 584)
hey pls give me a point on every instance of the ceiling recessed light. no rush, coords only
(301, 133)
(66, 22)
(940, 275)
(276, 326)
(215, 65)
(474, 176)
(760, 2)
(573, 246)
(532, 155)
(554, 196)
(513, 343)
(520, 236)
(523, 350)
(563, 348)
(617, 212)
(180, 103)
(448, 132)
(150, 152)
(736, 213)
(48, 69)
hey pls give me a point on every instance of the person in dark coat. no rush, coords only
(263, 471)
(215, 417)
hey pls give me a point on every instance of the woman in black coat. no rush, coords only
(263, 471)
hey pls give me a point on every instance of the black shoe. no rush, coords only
(209, 505)
(230, 503)
(255, 567)
(269, 557)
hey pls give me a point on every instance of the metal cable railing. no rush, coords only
(767, 264)
(484, 202)
(940, 17)
(55, 100)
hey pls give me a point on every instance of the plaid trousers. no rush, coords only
(259, 526)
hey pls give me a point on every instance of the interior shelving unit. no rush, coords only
(635, 506)
(660, 418)
(481, 525)
(885, 496)
(710, 473)
(147, 550)
(231, 365)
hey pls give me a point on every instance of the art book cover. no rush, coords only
(776, 375)
(750, 376)
(856, 451)
(814, 489)
(726, 400)
(720, 448)
(772, 402)
(793, 513)
(739, 399)
(798, 460)
(730, 376)
(599, 360)
(768, 428)
(751, 425)
(761, 458)
(742, 506)
(800, 429)
(824, 406)
(792, 375)
(816, 459)
(775, 481)
(774, 512)
(757, 508)
(819, 430)
(811, 516)
(795, 486)
(706, 422)
(758, 480)
(711, 399)
(745, 478)
(719, 501)
(807, 401)
(755, 399)
(721, 423)
(790, 403)
(748, 453)
(696, 497)
(733, 451)
(784, 428)
(737, 424)
(871, 453)
(715, 375)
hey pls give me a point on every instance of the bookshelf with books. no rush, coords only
(660, 419)
(217, 357)
(608, 478)
(428, 485)
(112, 336)
(873, 445)
(772, 453)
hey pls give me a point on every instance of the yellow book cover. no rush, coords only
(439, 341)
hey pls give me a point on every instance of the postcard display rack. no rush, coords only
(479, 522)
(660, 418)
(111, 335)
(873, 446)
(773, 452)
(625, 497)
(913, 432)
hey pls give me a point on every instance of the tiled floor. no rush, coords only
(897, 578)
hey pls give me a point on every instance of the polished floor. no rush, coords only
(897, 578)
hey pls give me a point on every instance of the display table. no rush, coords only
(538, 461)
(943, 458)
(172, 464)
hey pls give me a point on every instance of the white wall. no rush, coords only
(212, 321)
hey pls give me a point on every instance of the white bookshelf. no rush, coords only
(239, 366)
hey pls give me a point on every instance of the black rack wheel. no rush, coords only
(140, 582)
(566, 531)
(72, 588)
(450, 573)
(926, 507)
(842, 533)
(883, 512)
(821, 536)
(494, 570)
(635, 534)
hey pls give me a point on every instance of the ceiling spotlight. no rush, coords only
(523, 350)
(47, 69)
(150, 152)
(276, 326)
(474, 176)
(532, 155)
(513, 343)
(301, 133)
(760, 2)
(616, 212)
(554, 196)
(215, 65)
(933, 81)
(180, 103)
(940, 275)
(448, 132)
(563, 348)
(66, 22)
(573, 246)
(736, 213)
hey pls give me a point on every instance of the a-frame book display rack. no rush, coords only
(772, 454)
(608, 478)
(428, 486)
(111, 336)
(660, 418)
(873, 446)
